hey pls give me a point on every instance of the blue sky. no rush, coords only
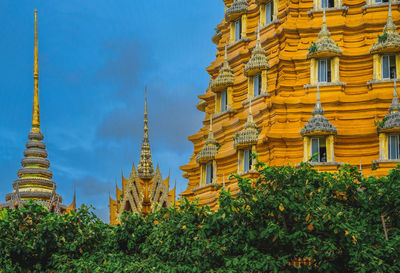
(95, 57)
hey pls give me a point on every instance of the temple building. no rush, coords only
(145, 190)
(34, 178)
(307, 81)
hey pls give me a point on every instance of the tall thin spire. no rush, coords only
(210, 133)
(318, 107)
(145, 167)
(395, 107)
(34, 178)
(35, 111)
(390, 9)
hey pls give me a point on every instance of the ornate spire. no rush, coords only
(324, 46)
(392, 119)
(395, 107)
(318, 107)
(249, 135)
(145, 167)
(225, 77)
(258, 60)
(35, 111)
(389, 42)
(318, 122)
(324, 32)
(34, 179)
(210, 148)
(390, 27)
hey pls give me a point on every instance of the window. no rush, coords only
(324, 70)
(389, 67)
(393, 147)
(327, 4)
(238, 29)
(209, 172)
(224, 101)
(257, 83)
(247, 160)
(318, 146)
(381, 1)
(269, 10)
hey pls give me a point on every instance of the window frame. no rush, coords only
(327, 3)
(389, 147)
(257, 89)
(270, 18)
(391, 67)
(209, 168)
(238, 29)
(324, 76)
(320, 147)
(247, 161)
(223, 104)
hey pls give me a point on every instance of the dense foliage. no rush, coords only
(340, 222)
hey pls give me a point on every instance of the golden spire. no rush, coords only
(34, 178)
(35, 111)
(145, 167)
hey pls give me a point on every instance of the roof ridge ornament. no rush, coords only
(145, 168)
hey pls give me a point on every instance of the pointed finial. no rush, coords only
(390, 8)
(145, 100)
(395, 107)
(323, 17)
(223, 181)
(211, 124)
(318, 108)
(258, 31)
(35, 111)
(145, 168)
(169, 172)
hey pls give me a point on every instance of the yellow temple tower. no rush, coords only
(298, 81)
(35, 179)
(145, 190)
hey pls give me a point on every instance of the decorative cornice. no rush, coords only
(237, 8)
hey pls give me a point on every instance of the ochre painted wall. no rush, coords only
(352, 107)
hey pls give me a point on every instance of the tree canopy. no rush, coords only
(289, 219)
